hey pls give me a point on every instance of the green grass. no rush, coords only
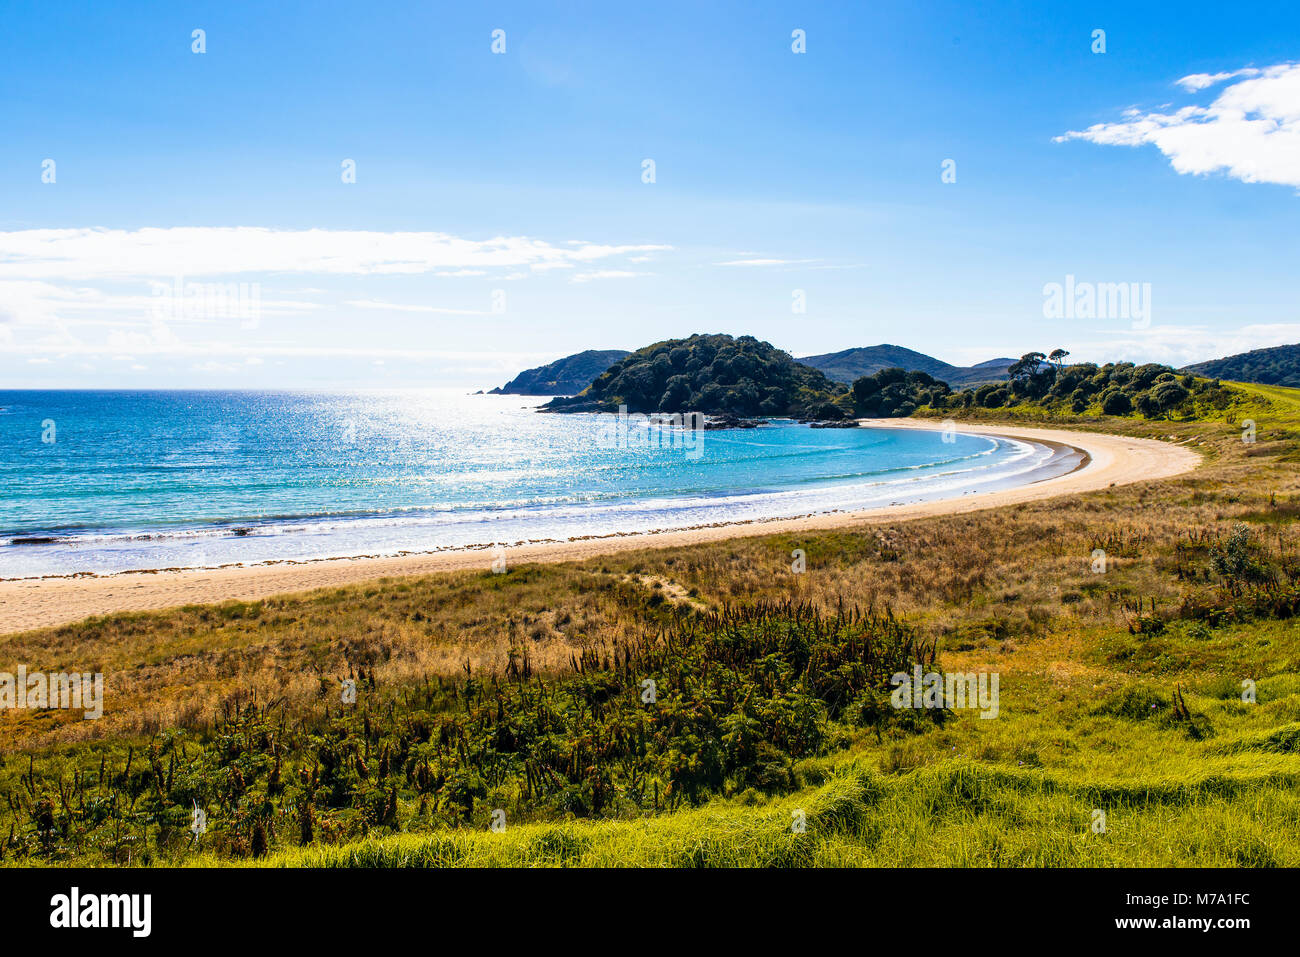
(960, 814)
(1284, 397)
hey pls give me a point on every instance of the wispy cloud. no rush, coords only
(1251, 131)
(765, 262)
(39, 303)
(608, 274)
(126, 347)
(92, 253)
(413, 307)
(104, 292)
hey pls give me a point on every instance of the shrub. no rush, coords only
(1169, 395)
(1116, 403)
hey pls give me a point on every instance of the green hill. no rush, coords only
(716, 375)
(567, 376)
(1279, 365)
(849, 365)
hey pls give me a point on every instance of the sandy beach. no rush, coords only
(35, 603)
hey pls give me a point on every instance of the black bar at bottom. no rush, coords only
(337, 906)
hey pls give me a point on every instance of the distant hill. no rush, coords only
(567, 376)
(715, 375)
(999, 364)
(1279, 365)
(850, 364)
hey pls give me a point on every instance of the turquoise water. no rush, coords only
(137, 480)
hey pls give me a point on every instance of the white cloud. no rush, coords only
(1184, 345)
(607, 274)
(164, 345)
(38, 303)
(765, 262)
(215, 368)
(96, 291)
(95, 253)
(1251, 131)
(1174, 345)
(1200, 81)
(160, 338)
(409, 307)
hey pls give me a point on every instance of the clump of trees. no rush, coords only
(894, 393)
(716, 375)
(1117, 388)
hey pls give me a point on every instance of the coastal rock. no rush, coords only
(728, 421)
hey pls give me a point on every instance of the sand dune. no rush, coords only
(35, 603)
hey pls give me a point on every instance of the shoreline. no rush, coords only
(29, 603)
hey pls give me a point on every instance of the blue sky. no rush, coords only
(499, 216)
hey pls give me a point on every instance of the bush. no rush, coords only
(1233, 559)
(1116, 403)
(1169, 395)
(996, 398)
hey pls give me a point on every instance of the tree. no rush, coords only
(1057, 358)
(1026, 366)
(1116, 403)
(677, 395)
(865, 387)
(1169, 395)
(995, 399)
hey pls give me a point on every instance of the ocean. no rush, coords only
(102, 482)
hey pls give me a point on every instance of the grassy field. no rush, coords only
(1279, 396)
(1121, 695)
